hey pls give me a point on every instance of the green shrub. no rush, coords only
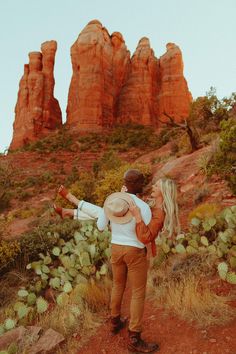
(207, 112)
(9, 251)
(7, 174)
(134, 135)
(108, 161)
(224, 161)
(62, 140)
(45, 236)
(112, 181)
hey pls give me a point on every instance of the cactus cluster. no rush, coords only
(68, 264)
(213, 234)
(80, 257)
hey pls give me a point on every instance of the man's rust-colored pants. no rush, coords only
(131, 262)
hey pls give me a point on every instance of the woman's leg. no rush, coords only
(67, 195)
(80, 215)
(90, 209)
(64, 212)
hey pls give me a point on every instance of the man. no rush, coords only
(128, 259)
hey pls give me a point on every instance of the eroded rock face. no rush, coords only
(108, 87)
(137, 102)
(174, 97)
(100, 64)
(37, 111)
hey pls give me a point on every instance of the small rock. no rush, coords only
(228, 338)
(212, 340)
(13, 336)
(49, 340)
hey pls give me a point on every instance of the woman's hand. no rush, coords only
(135, 211)
(124, 189)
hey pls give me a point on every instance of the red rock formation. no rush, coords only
(108, 88)
(37, 111)
(137, 102)
(174, 97)
(99, 63)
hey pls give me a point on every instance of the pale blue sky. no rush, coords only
(204, 30)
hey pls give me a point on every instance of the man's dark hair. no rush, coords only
(134, 180)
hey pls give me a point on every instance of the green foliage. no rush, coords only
(224, 161)
(122, 138)
(207, 112)
(112, 181)
(134, 135)
(62, 140)
(211, 231)
(204, 211)
(91, 141)
(7, 173)
(108, 161)
(44, 237)
(9, 251)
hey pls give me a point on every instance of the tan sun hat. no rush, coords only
(116, 207)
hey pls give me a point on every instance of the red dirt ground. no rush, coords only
(173, 335)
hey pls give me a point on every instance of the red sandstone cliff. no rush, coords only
(174, 97)
(137, 102)
(108, 87)
(37, 111)
(99, 63)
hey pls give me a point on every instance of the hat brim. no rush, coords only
(118, 219)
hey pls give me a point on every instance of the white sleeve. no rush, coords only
(88, 208)
(146, 214)
(102, 220)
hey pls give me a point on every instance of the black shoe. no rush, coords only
(137, 344)
(117, 324)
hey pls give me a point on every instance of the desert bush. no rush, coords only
(9, 251)
(223, 162)
(83, 187)
(207, 112)
(62, 140)
(90, 141)
(73, 176)
(108, 161)
(7, 174)
(181, 286)
(205, 211)
(43, 237)
(112, 181)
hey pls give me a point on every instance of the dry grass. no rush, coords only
(82, 312)
(181, 286)
(96, 295)
(9, 285)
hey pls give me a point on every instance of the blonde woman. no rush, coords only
(165, 219)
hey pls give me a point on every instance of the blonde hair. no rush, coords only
(171, 224)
